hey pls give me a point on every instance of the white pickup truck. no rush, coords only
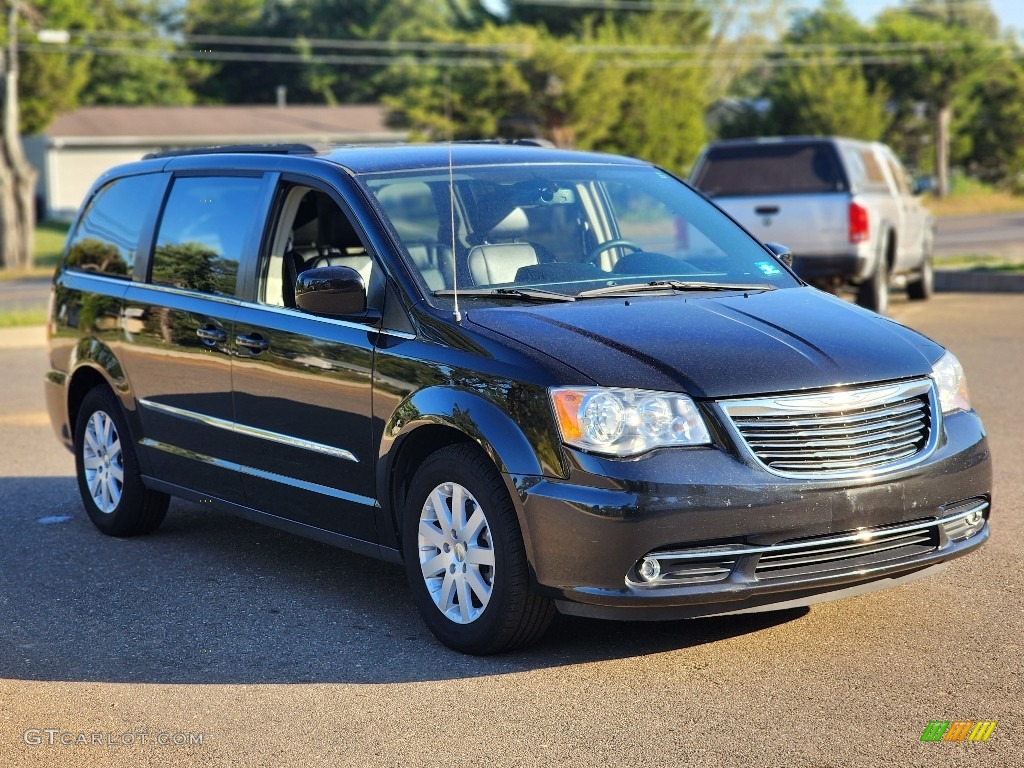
(845, 209)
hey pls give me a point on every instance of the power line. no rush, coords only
(708, 62)
(425, 46)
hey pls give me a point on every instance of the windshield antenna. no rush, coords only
(451, 190)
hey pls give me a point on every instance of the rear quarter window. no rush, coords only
(771, 169)
(106, 239)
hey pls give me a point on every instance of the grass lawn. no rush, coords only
(969, 197)
(48, 248)
(980, 262)
(10, 318)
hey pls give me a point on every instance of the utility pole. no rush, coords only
(17, 176)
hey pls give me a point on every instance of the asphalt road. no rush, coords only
(278, 652)
(996, 235)
(28, 294)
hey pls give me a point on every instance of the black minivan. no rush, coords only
(543, 380)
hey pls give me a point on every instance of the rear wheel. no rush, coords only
(873, 293)
(465, 559)
(108, 471)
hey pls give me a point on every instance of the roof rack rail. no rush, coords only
(269, 149)
(537, 142)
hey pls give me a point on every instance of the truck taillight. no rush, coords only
(860, 229)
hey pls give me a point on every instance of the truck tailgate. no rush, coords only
(810, 225)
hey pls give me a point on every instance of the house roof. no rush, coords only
(200, 125)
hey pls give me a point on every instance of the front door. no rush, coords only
(302, 384)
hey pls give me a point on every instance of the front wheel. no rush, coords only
(465, 559)
(923, 285)
(108, 471)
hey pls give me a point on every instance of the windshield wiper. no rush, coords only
(535, 294)
(674, 285)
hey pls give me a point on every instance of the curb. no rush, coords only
(966, 281)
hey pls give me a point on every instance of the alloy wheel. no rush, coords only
(103, 462)
(456, 552)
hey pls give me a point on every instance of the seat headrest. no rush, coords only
(514, 225)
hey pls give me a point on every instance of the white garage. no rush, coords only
(78, 146)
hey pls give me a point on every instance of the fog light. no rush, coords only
(650, 569)
(975, 517)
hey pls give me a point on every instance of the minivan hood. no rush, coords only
(718, 345)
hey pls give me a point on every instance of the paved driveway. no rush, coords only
(275, 651)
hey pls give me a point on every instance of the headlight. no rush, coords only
(625, 422)
(952, 384)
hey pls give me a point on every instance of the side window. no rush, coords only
(107, 237)
(312, 231)
(899, 176)
(203, 230)
(875, 175)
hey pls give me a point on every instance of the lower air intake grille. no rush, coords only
(849, 552)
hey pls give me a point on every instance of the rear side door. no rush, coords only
(178, 327)
(302, 383)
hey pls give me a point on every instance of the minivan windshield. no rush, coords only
(565, 228)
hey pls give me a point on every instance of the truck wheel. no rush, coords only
(108, 471)
(465, 559)
(873, 293)
(924, 285)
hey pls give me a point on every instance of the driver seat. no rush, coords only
(498, 262)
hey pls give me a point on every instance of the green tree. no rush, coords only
(50, 77)
(660, 116)
(542, 86)
(818, 99)
(936, 76)
(992, 121)
(830, 23)
(135, 72)
(241, 81)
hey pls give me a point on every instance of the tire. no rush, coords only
(873, 293)
(465, 559)
(923, 286)
(108, 471)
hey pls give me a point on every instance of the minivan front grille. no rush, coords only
(841, 432)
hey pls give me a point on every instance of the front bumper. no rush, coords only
(585, 537)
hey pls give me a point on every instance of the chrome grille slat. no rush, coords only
(840, 432)
(825, 554)
(768, 439)
(816, 452)
(790, 561)
(840, 420)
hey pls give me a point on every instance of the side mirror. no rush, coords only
(331, 291)
(781, 252)
(923, 184)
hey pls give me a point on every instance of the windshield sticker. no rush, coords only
(768, 268)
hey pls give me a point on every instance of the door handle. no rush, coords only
(766, 210)
(211, 335)
(256, 343)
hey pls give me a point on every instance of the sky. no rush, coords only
(1010, 12)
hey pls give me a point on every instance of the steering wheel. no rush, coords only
(600, 248)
